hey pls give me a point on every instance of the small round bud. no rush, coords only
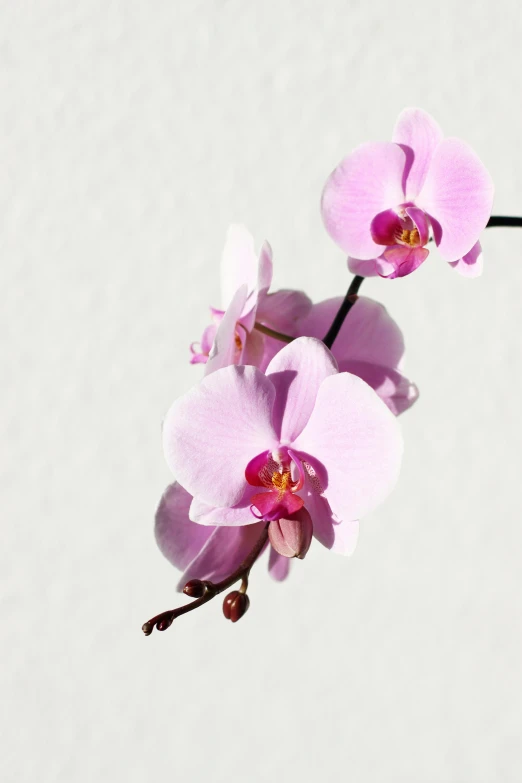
(195, 588)
(235, 605)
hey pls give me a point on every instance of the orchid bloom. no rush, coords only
(370, 345)
(382, 200)
(245, 280)
(303, 443)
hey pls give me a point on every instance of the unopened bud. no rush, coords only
(195, 588)
(235, 605)
(292, 537)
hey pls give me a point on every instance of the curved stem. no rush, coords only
(347, 304)
(211, 589)
(285, 338)
(504, 221)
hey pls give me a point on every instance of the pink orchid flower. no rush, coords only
(370, 345)
(245, 280)
(382, 200)
(302, 443)
(206, 551)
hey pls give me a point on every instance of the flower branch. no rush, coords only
(504, 221)
(235, 604)
(284, 338)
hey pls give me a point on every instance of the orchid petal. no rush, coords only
(211, 433)
(419, 135)
(404, 260)
(239, 263)
(370, 267)
(297, 373)
(225, 550)
(265, 269)
(283, 309)
(278, 566)
(357, 440)
(471, 264)
(179, 539)
(421, 223)
(200, 552)
(367, 182)
(396, 391)
(368, 333)
(224, 348)
(340, 537)
(457, 195)
(253, 348)
(384, 227)
(240, 514)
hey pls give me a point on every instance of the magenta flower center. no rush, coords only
(281, 475)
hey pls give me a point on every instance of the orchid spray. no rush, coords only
(292, 436)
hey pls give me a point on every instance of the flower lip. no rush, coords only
(280, 473)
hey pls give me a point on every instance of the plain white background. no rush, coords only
(132, 134)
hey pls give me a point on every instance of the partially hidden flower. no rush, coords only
(257, 448)
(383, 201)
(245, 281)
(369, 344)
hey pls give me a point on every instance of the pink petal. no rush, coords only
(370, 267)
(458, 196)
(264, 278)
(239, 263)
(404, 260)
(471, 264)
(213, 431)
(240, 514)
(278, 566)
(179, 539)
(224, 348)
(268, 505)
(384, 227)
(224, 551)
(207, 340)
(271, 349)
(368, 334)
(297, 373)
(340, 537)
(421, 222)
(417, 131)
(283, 309)
(396, 391)
(367, 182)
(357, 440)
(253, 348)
(265, 269)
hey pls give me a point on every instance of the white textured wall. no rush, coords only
(132, 134)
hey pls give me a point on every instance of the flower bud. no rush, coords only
(292, 537)
(235, 605)
(195, 588)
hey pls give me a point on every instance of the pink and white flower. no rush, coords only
(245, 281)
(382, 201)
(304, 437)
